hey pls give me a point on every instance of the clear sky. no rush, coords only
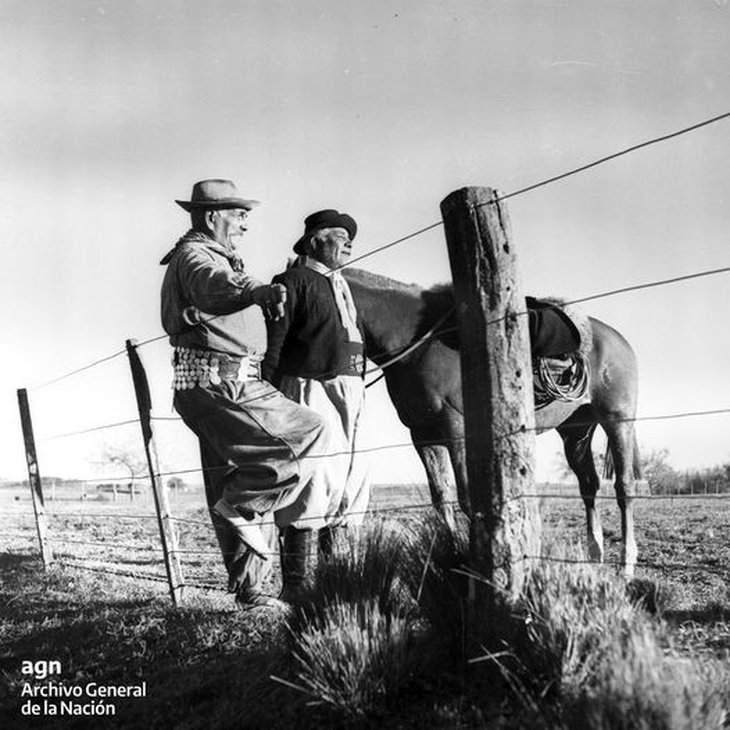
(111, 110)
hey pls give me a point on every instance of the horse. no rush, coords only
(423, 379)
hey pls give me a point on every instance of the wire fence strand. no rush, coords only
(437, 224)
(391, 510)
(79, 370)
(551, 180)
(420, 506)
(92, 429)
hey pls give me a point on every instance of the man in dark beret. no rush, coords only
(315, 355)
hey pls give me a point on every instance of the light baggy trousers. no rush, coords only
(263, 453)
(340, 401)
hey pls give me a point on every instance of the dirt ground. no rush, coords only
(104, 611)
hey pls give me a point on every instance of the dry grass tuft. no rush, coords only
(590, 646)
(353, 658)
(366, 565)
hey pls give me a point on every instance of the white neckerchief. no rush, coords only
(343, 297)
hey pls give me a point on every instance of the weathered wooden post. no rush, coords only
(499, 414)
(34, 478)
(164, 518)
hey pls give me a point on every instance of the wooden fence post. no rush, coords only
(164, 520)
(34, 478)
(499, 415)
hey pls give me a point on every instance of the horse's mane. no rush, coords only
(437, 293)
(433, 303)
(377, 281)
(428, 306)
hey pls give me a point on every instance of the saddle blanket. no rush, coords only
(552, 332)
(560, 342)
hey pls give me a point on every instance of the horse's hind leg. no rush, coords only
(577, 433)
(621, 442)
(435, 458)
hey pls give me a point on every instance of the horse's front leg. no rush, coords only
(621, 442)
(435, 458)
(577, 447)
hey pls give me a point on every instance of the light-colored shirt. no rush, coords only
(207, 297)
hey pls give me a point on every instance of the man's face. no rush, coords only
(228, 226)
(331, 247)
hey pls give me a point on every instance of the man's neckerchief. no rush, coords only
(193, 236)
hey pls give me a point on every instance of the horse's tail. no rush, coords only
(608, 466)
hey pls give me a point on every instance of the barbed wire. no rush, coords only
(436, 334)
(437, 224)
(699, 496)
(651, 565)
(414, 443)
(704, 567)
(390, 509)
(429, 336)
(103, 515)
(643, 564)
(549, 181)
(461, 439)
(130, 574)
(649, 285)
(426, 338)
(79, 370)
(63, 561)
(102, 543)
(90, 430)
(539, 495)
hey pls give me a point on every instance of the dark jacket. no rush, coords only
(310, 340)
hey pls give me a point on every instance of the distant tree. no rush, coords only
(710, 480)
(121, 456)
(661, 476)
(176, 483)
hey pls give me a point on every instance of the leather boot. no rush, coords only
(295, 547)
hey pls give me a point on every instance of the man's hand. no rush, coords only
(271, 298)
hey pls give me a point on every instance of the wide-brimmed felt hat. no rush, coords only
(329, 218)
(215, 195)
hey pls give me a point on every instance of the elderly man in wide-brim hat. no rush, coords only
(258, 448)
(316, 356)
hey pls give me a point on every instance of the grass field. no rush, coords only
(104, 612)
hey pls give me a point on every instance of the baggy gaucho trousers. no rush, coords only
(264, 453)
(341, 401)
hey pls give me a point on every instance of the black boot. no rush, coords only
(295, 547)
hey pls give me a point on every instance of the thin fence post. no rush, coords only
(34, 478)
(499, 413)
(168, 536)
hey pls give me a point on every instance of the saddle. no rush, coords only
(560, 341)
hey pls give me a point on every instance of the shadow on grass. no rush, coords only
(12, 563)
(205, 665)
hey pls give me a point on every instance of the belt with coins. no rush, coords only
(204, 367)
(354, 365)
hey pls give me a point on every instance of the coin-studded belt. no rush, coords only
(355, 365)
(203, 367)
